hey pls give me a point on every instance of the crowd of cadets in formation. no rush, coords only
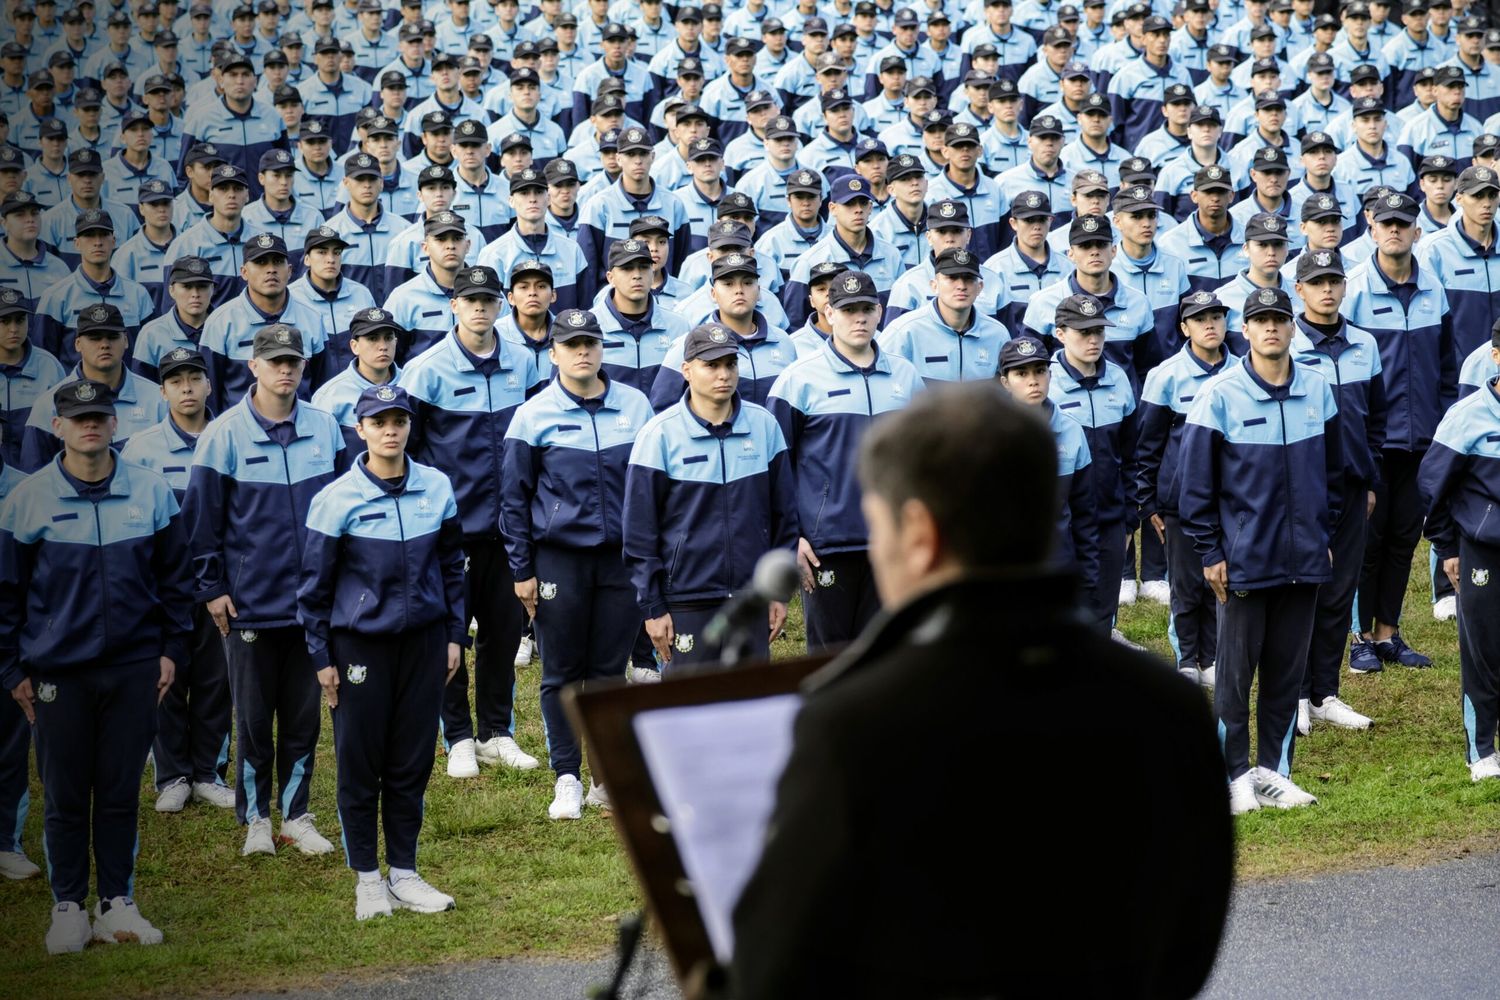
(759, 226)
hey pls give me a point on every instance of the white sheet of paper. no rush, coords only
(716, 768)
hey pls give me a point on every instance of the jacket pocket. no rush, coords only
(672, 566)
(551, 516)
(822, 506)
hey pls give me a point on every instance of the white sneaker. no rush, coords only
(371, 899)
(1304, 717)
(122, 923)
(1272, 788)
(174, 798)
(461, 762)
(258, 839)
(1485, 767)
(413, 893)
(1119, 637)
(567, 799)
(69, 930)
(16, 866)
(1128, 592)
(1445, 609)
(642, 675)
(1158, 591)
(1189, 674)
(1242, 794)
(503, 750)
(1206, 677)
(214, 794)
(301, 834)
(1336, 713)
(597, 796)
(523, 652)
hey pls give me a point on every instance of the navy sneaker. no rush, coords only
(1363, 659)
(1395, 650)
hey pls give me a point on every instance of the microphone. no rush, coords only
(775, 579)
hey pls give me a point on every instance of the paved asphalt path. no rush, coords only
(1392, 933)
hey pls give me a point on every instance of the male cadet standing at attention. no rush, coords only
(15, 730)
(958, 493)
(563, 498)
(1405, 308)
(26, 373)
(825, 402)
(947, 338)
(1262, 478)
(1210, 241)
(1166, 398)
(466, 388)
(1349, 360)
(381, 600)
(710, 489)
(848, 241)
(269, 452)
(1460, 484)
(637, 328)
(95, 615)
(189, 287)
(191, 750)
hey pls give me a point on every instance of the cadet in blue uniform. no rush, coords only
(191, 751)
(95, 615)
(562, 506)
(1261, 484)
(374, 337)
(382, 604)
(15, 742)
(1349, 360)
(710, 489)
(255, 471)
(1460, 482)
(26, 371)
(824, 403)
(1167, 396)
(467, 388)
(1096, 392)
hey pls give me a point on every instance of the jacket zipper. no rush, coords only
(1286, 467)
(405, 559)
(724, 482)
(99, 559)
(599, 477)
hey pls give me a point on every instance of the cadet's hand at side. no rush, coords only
(778, 619)
(221, 610)
(168, 675)
(328, 678)
(1217, 576)
(1450, 567)
(1161, 528)
(526, 594)
(26, 698)
(455, 659)
(659, 630)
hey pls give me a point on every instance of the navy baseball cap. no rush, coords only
(190, 271)
(382, 399)
(571, 324)
(1267, 300)
(853, 288)
(849, 187)
(371, 321)
(1200, 302)
(179, 359)
(709, 342)
(1081, 312)
(279, 340)
(1021, 352)
(83, 397)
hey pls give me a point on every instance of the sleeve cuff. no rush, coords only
(654, 609)
(1214, 557)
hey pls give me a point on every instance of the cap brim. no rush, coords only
(1188, 312)
(445, 229)
(279, 351)
(1276, 310)
(73, 410)
(1214, 186)
(857, 299)
(567, 334)
(387, 408)
(731, 271)
(1471, 187)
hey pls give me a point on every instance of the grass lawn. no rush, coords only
(1399, 794)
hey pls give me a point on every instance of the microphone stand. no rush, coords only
(632, 927)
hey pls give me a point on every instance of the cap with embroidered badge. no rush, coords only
(1264, 301)
(1222, 53)
(276, 159)
(525, 76)
(1475, 179)
(956, 262)
(1094, 104)
(1471, 25)
(1320, 62)
(689, 14)
(902, 166)
(635, 140)
(825, 272)
(89, 98)
(264, 245)
(609, 141)
(1266, 227)
(532, 266)
(1427, 74)
(279, 340)
(1031, 205)
(948, 214)
(1137, 170)
(1321, 206)
(736, 203)
(1364, 73)
(1437, 165)
(1262, 30)
(892, 64)
(1090, 229)
(772, 26)
(361, 165)
(100, 319)
(83, 397)
(961, 134)
(849, 187)
(1133, 198)
(379, 125)
(1451, 76)
(614, 31)
(1177, 93)
(437, 121)
(1057, 35)
(275, 57)
(937, 120)
(1081, 311)
(470, 133)
(1318, 263)
(368, 322)
(154, 192)
(648, 225)
(629, 251)
(1316, 140)
(709, 342)
(1196, 303)
(516, 140)
(741, 46)
(473, 282)
(18, 201)
(574, 324)
(1269, 99)
(853, 288)
(690, 67)
(84, 161)
(735, 262)
(52, 128)
(93, 220)
(1004, 90)
(1086, 181)
(1021, 352)
(1074, 70)
(1397, 207)
(760, 99)
(1155, 24)
(1205, 113)
(704, 149)
(920, 85)
(377, 399)
(180, 359)
(1268, 159)
(444, 223)
(1046, 126)
(193, 271)
(838, 97)
(1486, 145)
(560, 171)
(326, 46)
(1492, 38)
(135, 117)
(726, 233)
(781, 127)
